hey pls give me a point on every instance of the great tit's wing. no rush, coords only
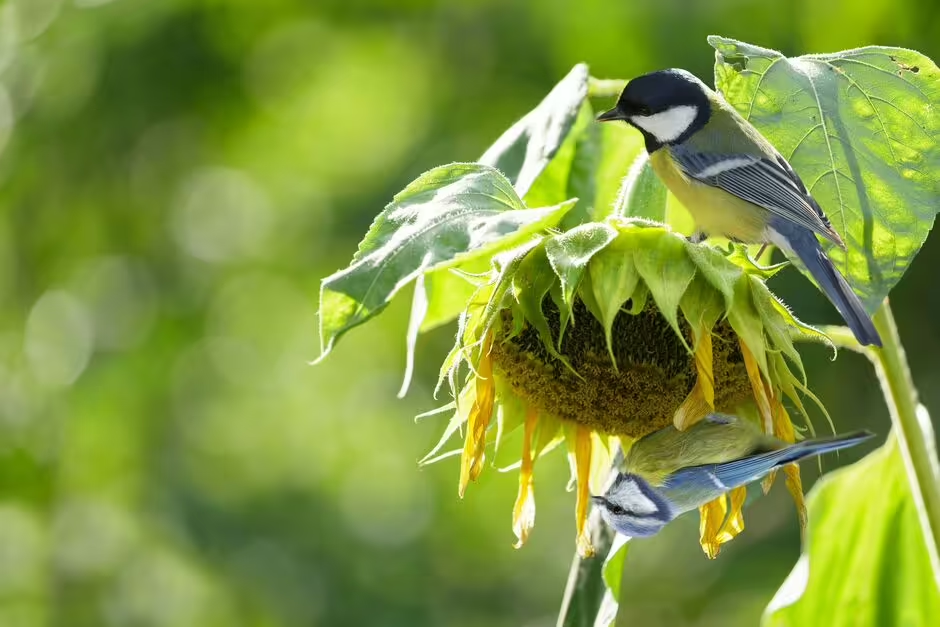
(764, 181)
(742, 471)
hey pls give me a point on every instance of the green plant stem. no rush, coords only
(901, 397)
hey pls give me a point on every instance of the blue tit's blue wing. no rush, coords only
(694, 486)
(767, 183)
(743, 471)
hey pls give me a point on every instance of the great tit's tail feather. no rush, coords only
(834, 286)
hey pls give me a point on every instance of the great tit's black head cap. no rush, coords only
(658, 91)
(667, 106)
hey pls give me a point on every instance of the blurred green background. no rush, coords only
(175, 178)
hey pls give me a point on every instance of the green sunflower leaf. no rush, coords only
(865, 563)
(447, 294)
(451, 215)
(524, 151)
(620, 146)
(642, 194)
(861, 129)
(571, 171)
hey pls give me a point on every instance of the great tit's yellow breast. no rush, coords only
(714, 210)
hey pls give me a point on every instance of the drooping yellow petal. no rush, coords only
(783, 429)
(721, 520)
(734, 524)
(795, 487)
(471, 462)
(582, 463)
(523, 512)
(783, 426)
(757, 386)
(711, 517)
(701, 400)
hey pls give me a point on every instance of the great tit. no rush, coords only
(670, 472)
(732, 180)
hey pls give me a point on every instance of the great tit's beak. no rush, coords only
(613, 114)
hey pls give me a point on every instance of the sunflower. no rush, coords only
(599, 335)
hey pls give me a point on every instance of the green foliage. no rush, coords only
(527, 148)
(643, 195)
(865, 561)
(176, 178)
(451, 215)
(860, 128)
(591, 579)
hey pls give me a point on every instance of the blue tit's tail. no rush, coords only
(803, 243)
(821, 446)
(747, 469)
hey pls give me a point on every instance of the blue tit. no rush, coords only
(670, 472)
(732, 180)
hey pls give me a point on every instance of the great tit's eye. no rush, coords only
(643, 110)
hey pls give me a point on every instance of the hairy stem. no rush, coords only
(917, 447)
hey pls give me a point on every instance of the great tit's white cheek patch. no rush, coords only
(668, 125)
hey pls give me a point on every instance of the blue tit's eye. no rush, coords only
(619, 511)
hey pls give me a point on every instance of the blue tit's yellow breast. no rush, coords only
(715, 211)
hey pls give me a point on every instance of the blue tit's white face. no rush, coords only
(634, 508)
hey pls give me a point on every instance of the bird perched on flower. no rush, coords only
(732, 180)
(670, 472)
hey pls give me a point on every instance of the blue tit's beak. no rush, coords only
(610, 116)
(599, 500)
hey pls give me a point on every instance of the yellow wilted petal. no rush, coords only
(582, 463)
(471, 462)
(701, 400)
(795, 487)
(734, 524)
(757, 386)
(523, 512)
(783, 426)
(721, 520)
(693, 408)
(703, 365)
(711, 518)
(783, 429)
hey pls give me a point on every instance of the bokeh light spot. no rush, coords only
(58, 341)
(221, 215)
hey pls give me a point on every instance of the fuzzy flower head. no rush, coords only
(605, 333)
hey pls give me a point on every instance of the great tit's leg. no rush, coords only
(698, 237)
